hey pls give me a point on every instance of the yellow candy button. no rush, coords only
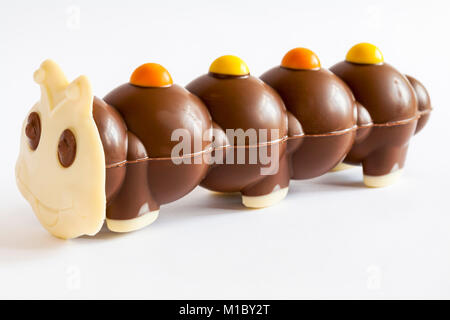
(365, 53)
(229, 65)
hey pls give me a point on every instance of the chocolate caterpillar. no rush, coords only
(149, 142)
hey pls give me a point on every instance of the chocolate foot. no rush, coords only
(341, 167)
(382, 181)
(270, 190)
(266, 200)
(133, 207)
(382, 167)
(132, 224)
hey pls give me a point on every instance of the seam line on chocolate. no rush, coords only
(123, 163)
(211, 149)
(332, 133)
(423, 112)
(398, 122)
(195, 154)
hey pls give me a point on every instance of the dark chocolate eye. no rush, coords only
(33, 130)
(67, 148)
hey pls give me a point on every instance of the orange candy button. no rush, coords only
(151, 75)
(301, 58)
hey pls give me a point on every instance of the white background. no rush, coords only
(330, 238)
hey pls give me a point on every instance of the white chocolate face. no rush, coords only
(69, 202)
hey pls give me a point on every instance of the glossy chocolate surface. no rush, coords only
(391, 103)
(134, 197)
(169, 181)
(325, 107)
(319, 154)
(423, 102)
(153, 113)
(112, 130)
(241, 102)
(136, 180)
(113, 134)
(384, 150)
(363, 121)
(381, 89)
(423, 99)
(245, 102)
(246, 177)
(317, 98)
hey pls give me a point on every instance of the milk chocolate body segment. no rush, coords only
(324, 106)
(392, 105)
(382, 90)
(390, 100)
(236, 100)
(151, 115)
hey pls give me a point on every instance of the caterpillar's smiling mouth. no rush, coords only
(47, 215)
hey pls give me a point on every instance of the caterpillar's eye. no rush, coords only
(67, 148)
(33, 130)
